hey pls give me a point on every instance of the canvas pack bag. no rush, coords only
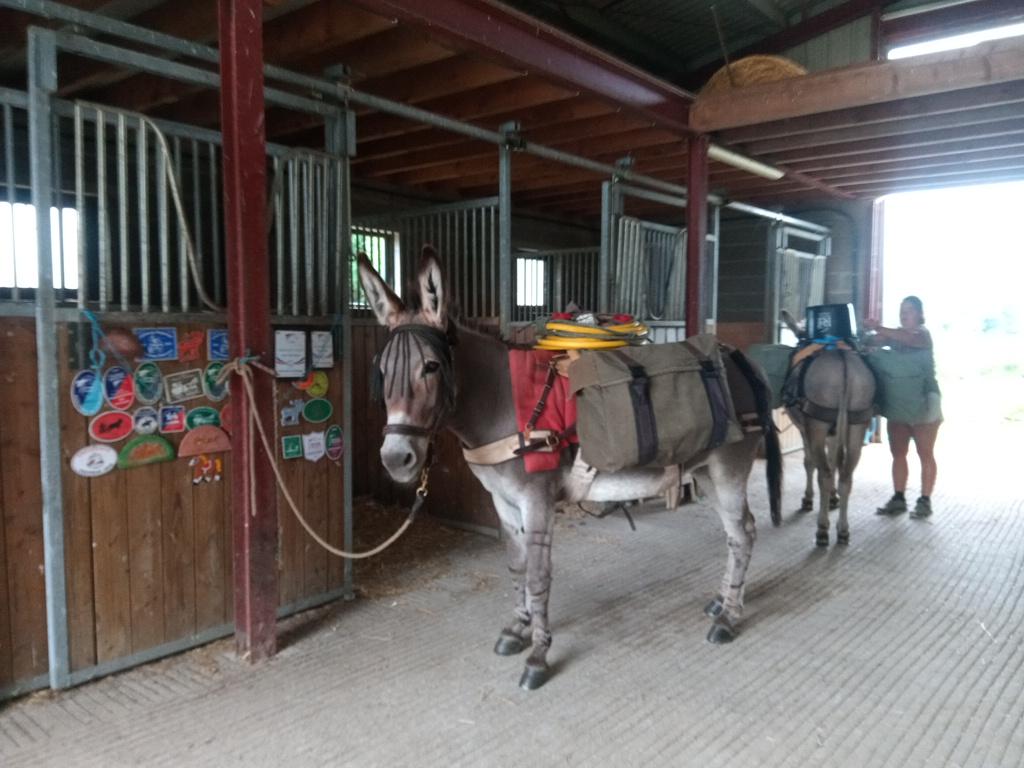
(655, 405)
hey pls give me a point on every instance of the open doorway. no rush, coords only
(961, 250)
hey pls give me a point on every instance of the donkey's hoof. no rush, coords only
(721, 632)
(821, 538)
(833, 502)
(534, 676)
(806, 505)
(714, 607)
(843, 538)
(509, 644)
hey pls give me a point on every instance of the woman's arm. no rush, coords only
(919, 338)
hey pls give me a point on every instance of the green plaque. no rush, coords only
(291, 446)
(317, 410)
(214, 390)
(149, 383)
(203, 416)
(148, 449)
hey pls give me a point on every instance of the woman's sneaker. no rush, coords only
(923, 508)
(894, 506)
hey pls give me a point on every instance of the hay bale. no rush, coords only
(752, 70)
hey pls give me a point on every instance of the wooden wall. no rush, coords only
(148, 557)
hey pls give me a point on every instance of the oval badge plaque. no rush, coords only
(318, 410)
(149, 384)
(147, 420)
(320, 384)
(93, 460)
(111, 426)
(148, 449)
(203, 416)
(119, 388)
(215, 390)
(335, 442)
(87, 392)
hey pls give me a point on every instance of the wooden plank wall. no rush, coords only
(148, 553)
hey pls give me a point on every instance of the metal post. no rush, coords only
(42, 84)
(255, 536)
(505, 287)
(696, 230)
(340, 140)
(611, 209)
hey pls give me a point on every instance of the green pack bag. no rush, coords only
(905, 381)
(774, 362)
(655, 405)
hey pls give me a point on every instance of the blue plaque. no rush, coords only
(217, 344)
(158, 343)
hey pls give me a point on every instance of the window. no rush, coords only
(530, 282)
(381, 247)
(956, 41)
(19, 265)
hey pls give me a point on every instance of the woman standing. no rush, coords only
(912, 335)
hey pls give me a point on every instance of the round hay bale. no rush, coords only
(752, 70)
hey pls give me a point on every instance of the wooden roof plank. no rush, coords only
(859, 85)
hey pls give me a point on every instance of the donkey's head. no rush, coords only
(413, 372)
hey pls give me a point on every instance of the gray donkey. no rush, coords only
(833, 411)
(434, 374)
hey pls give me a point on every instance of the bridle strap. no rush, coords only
(413, 430)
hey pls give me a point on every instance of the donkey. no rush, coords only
(832, 415)
(433, 374)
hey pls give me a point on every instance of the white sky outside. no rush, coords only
(18, 249)
(961, 250)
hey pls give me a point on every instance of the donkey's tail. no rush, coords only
(843, 416)
(773, 451)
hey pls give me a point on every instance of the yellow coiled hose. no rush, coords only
(567, 334)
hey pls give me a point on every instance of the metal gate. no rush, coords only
(798, 268)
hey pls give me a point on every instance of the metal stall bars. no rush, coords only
(797, 270)
(549, 281)
(644, 263)
(145, 265)
(465, 236)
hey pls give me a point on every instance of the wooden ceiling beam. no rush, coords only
(952, 171)
(577, 130)
(859, 85)
(963, 121)
(965, 151)
(966, 100)
(994, 131)
(987, 158)
(423, 137)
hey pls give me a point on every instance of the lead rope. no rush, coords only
(243, 368)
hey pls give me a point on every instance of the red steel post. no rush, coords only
(696, 231)
(248, 281)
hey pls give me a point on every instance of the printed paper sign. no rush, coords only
(158, 343)
(217, 344)
(322, 346)
(313, 446)
(186, 385)
(290, 354)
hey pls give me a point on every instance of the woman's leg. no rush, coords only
(899, 444)
(924, 441)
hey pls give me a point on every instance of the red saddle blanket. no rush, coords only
(529, 372)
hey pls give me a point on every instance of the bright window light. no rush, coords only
(957, 41)
(530, 282)
(19, 265)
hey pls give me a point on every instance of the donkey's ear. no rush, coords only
(432, 295)
(385, 304)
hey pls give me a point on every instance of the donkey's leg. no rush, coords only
(514, 637)
(538, 524)
(728, 469)
(807, 502)
(817, 447)
(852, 457)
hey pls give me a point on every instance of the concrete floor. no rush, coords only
(904, 649)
